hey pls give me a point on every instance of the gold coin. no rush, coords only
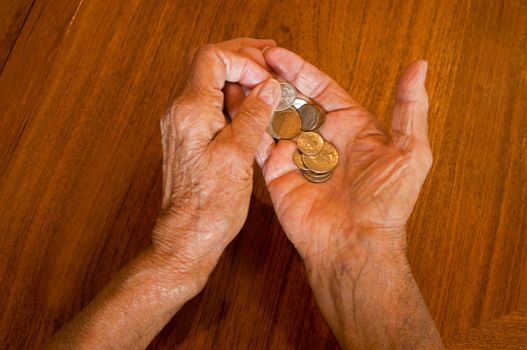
(310, 143)
(285, 124)
(317, 175)
(297, 159)
(323, 162)
(317, 178)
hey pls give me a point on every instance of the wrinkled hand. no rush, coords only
(368, 200)
(207, 161)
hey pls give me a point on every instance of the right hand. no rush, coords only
(367, 202)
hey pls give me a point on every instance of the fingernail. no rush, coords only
(270, 92)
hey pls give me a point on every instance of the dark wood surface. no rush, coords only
(84, 82)
(13, 14)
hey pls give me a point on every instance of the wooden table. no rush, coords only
(84, 82)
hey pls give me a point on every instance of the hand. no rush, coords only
(207, 182)
(207, 161)
(350, 230)
(376, 184)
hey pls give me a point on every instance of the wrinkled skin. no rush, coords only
(207, 162)
(376, 184)
(347, 229)
(207, 183)
(350, 230)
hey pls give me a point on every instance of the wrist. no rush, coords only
(178, 269)
(191, 246)
(351, 250)
(369, 297)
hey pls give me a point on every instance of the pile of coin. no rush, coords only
(297, 118)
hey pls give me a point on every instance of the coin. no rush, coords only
(270, 131)
(324, 161)
(297, 159)
(288, 96)
(321, 118)
(310, 143)
(312, 177)
(317, 175)
(311, 117)
(285, 124)
(299, 102)
(315, 157)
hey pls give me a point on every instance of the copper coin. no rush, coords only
(323, 162)
(319, 175)
(317, 178)
(288, 96)
(310, 143)
(285, 124)
(297, 159)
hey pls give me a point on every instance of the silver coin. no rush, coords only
(288, 96)
(310, 117)
(299, 102)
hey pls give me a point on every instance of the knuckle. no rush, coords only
(179, 118)
(253, 118)
(206, 50)
(260, 108)
(182, 108)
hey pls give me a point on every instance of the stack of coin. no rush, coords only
(315, 157)
(295, 117)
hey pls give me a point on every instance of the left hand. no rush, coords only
(374, 188)
(207, 161)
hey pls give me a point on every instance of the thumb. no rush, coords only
(251, 120)
(410, 113)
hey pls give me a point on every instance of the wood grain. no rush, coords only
(507, 332)
(13, 14)
(82, 88)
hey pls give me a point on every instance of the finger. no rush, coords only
(247, 128)
(239, 43)
(308, 79)
(213, 66)
(234, 94)
(256, 55)
(234, 97)
(280, 161)
(410, 113)
(264, 150)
